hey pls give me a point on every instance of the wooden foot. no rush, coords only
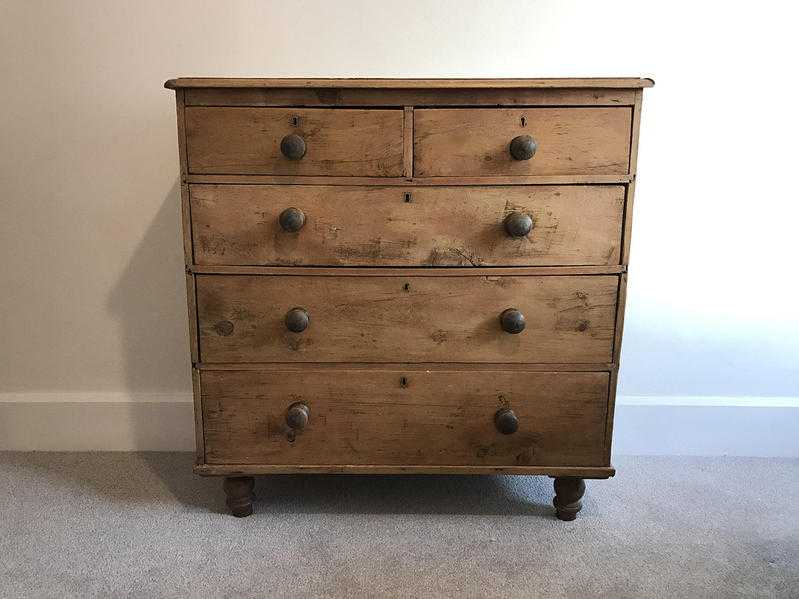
(568, 491)
(239, 492)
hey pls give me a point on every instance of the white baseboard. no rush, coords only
(710, 426)
(751, 426)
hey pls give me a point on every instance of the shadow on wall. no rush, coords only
(149, 302)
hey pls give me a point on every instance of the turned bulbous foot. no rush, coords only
(239, 492)
(568, 492)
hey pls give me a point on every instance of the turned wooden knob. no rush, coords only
(297, 320)
(506, 422)
(518, 224)
(512, 321)
(522, 147)
(297, 416)
(292, 146)
(291, 220)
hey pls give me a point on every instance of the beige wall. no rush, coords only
(92, 283)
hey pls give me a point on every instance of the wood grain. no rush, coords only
(185, 211)
(636, 130)
(474, 142)
(406, 289)
(344, 142)
(367, 271)
(415, 319)
(628, 210)
(301, 366)
(625, 258)
(595, 179)
(199, 436)
(614, 375)
(383, 226)
(191, 303)
(552, 471)
(436, 418)
(390, 83)
(352, 97)
(407, 142)
(180, 110)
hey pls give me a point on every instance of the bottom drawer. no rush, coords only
(404, 417)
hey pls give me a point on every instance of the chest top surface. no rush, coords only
(388, 83)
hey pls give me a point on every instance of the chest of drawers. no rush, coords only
(406, 276)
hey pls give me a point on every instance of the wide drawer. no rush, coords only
(476, 142)
(401, 226)
(393, 417)
(340, 142)
(373, 318)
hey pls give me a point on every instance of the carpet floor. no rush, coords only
(142, 525)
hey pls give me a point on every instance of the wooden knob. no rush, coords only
(297, 320)
(512, 321)
(292, 147)
(518, 224)
(297, 416)
(522, 147)
(292, 220)
(506, 422)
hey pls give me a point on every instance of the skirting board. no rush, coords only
(754, 426)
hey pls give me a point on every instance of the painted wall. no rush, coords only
(93, 291)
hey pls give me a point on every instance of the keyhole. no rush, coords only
(524, 121)
(295, 121)
(408, 198)
(403, 382)
(407, 286)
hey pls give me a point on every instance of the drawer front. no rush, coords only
(476, 142)
(401, 226)
(430, 418)
(340, 142)
(245, 318)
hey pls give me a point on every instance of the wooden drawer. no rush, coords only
(402, 226)
(429, 418)
(475, 142)
(340, 142)
(423, 318)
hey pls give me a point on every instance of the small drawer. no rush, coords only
(437, 318)
(521, 141)
(394, 417)
(294, 141)
(273, 225)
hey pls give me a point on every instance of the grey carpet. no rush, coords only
(141, 525)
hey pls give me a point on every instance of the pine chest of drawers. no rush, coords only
(406, 276)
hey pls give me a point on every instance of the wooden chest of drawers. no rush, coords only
(406, 276)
